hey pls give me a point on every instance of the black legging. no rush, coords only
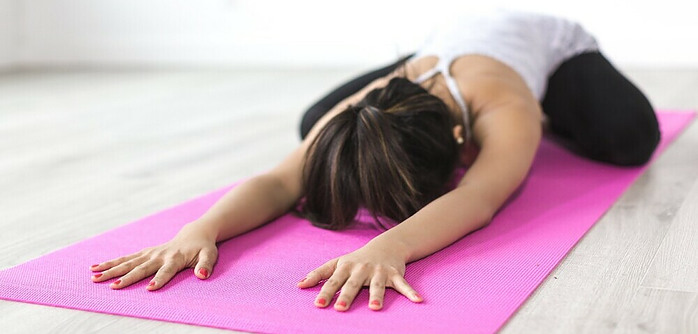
(589, 104)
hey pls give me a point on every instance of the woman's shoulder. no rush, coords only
(482, 80)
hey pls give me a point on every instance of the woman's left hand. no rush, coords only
(373, 265)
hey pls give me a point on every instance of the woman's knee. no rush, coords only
(629, 145)
(606, 114)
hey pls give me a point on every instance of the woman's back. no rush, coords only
(533, 45)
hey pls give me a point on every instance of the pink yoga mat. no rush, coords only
(472, 286)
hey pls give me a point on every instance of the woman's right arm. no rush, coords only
(256, 201)
(245, 207)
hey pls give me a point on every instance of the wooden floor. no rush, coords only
(82, 152)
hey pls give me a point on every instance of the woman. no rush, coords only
(476, 94)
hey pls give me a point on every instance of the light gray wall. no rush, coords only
(8, 33)
(315, 32)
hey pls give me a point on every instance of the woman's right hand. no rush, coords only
(192, 247)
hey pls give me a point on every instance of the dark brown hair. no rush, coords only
(392, 153)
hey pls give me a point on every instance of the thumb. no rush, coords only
(323, 272)
(207, 258)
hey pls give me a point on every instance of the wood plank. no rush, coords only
(661, 311)
(675, 265)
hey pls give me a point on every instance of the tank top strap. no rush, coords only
(427, 75)
(443, 66)
(455, 92)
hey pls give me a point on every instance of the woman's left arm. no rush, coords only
(508, 134)
(509, 138)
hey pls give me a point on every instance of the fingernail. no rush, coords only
(152, 283)
(117, 282)
(321, 301)
(94, 265)
(203, 272)
(97, 275)
(376, 302)
(416, 295)
(303, 280)
(342, 303)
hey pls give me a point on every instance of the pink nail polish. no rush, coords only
(342, 303)
(321, 301)
(117, 282)
(97, 275)
(376, 302)
(416, 295)
(303, 280)
(94, 266)
(203, 272)
(152, 283)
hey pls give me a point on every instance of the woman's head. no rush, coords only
(392, 153)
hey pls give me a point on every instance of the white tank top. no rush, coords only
(533, 45)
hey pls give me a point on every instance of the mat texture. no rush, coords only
(472, 286)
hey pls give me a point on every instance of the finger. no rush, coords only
(164, 275)
(350, 289)
(119, 270)
(114, 262)
(377, 291)
(331, 286)
(207, 258)
(314, 277)
(138, 273)
(401, 285)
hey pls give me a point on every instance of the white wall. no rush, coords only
(314, 32)
(8, 32)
